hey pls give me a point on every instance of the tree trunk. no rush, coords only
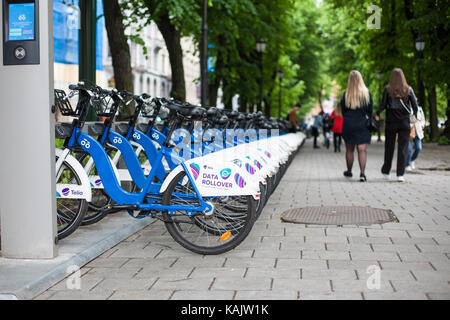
(213, 88)
(172, 38)
(447, 122)
(433, 113)
(120, 51)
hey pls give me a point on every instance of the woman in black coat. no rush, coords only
(399, 102)
(357, 106)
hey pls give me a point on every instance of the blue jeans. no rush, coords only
(417, 148)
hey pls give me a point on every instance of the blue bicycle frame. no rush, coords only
(146, 198)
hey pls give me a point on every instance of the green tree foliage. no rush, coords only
(356, 46)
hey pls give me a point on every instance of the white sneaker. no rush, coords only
(409, 168)
(386, 176)
(413, 165)
(401, 179)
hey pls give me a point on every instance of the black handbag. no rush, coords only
(371, 123)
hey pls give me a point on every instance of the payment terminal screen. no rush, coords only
(21, 21)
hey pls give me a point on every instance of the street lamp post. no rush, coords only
(420, 45)
(260, 48)
(280, 75)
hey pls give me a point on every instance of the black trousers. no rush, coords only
(337, 139)
(315, 133)
(393, 131)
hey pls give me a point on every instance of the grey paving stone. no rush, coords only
(432, 275)
(207, 261)
(81, 295)
(401, 248)
(394, 296)
(387, 233)
(275, 253)
(194, 284)
(148, 252)
(125, 284)
(137, 263)
(421, 286)
(370, 240)
(249, 262)
(350, 265)
(331, 296)
(375, 256)
(214, 272)
(438, 296)
(325, 255)
(87, 282)
(267, 295)
(309, 274)
(107, 262)
(360, 286)
(125, 273)
(253, 283)
(302, 263)
(348, 247)
(141, 295)
(270, 272)
(203, 295)
(302, 285)
(413, 266)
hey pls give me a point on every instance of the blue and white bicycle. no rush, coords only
(195, 216)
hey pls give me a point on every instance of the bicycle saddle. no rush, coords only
(221, 120)
(212, 112)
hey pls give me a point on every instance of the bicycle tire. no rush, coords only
(216, 244)
(75, 217)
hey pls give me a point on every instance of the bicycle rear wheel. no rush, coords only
(213, 233)
(70, 212)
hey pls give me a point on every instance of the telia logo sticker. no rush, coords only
(195, 169)
(65, 192)
(225, 173)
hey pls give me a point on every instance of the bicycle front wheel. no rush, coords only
(69, 212)
(208, 234)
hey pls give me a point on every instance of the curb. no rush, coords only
(59, 272)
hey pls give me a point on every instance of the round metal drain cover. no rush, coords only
(339, 215)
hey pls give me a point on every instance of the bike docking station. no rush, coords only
(31, 258)
(27, 186)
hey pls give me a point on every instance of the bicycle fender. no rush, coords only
(73, 191)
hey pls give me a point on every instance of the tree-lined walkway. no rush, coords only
(287, 261)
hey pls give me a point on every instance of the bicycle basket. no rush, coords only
(148, 110)
(103, 104)
(63, 104)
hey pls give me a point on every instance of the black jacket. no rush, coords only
(395, 111)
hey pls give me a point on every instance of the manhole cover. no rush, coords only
(339, 215)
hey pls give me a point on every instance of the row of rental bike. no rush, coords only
(206, 173)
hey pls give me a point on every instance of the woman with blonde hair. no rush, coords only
(356, 105)
(400, 103)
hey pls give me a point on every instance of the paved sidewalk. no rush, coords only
(288, 261)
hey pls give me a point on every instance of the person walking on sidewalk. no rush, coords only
(357, 106)
(400, 104)
(336, 115)
(416, 141)
(318, 122)
(292, 118)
